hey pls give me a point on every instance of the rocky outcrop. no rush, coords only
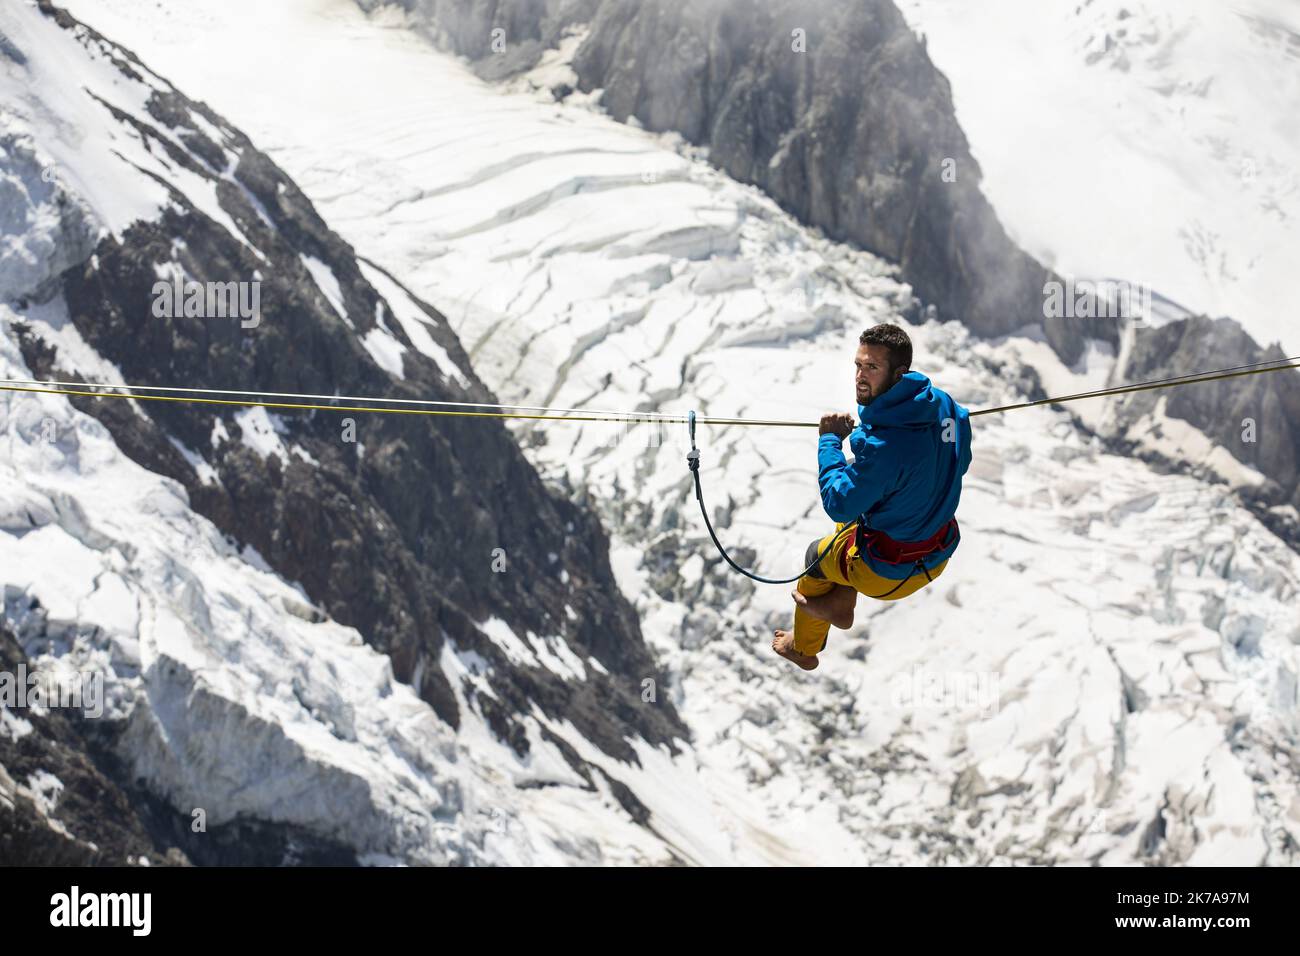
(834, 109)
(57, 806)
(501, 37)
(414, 530)
(1256, 418)
(397, 540)
(67, 798)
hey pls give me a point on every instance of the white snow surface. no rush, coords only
(328, 283)
(1153, 141)
(71, 171)
(1112, 653)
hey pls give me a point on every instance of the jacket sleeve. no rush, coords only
(848, 490)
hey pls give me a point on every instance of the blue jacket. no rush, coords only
(904, 476)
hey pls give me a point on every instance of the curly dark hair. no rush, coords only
(892, 338)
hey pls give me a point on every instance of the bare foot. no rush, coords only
(835, 607)
(784, 645)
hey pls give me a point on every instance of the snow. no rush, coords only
(46, 99)
(501, 634)
(207, 474)
(385, 350)
(1180, 441)
(584, 262)
(59, 141)
(219, 433)
(414, 323)
(556, 656)
(260, 430)
(304, 454)
(230, 703)
(59, 564)
(45, 789)
(13, 727)
(1151, 140)
(328, 284)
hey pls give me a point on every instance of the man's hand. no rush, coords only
(836, 424)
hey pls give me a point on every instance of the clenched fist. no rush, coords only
(836, 424)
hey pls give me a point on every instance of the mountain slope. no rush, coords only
(833, 109)
(837, 112)
(1108, 671)
(222, 568)
(1143, 139)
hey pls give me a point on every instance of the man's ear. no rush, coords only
(899, 373)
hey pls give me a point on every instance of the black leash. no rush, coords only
(693, 460)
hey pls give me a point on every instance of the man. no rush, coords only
(894, 505)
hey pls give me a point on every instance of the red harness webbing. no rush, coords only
(884, 548)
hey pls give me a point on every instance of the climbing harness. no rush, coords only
(874, 544)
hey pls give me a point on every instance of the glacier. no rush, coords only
(1137, 628)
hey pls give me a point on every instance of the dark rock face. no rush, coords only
(849, 135)
(103, 818)
(852, 136)
(832, 108)
(94, 822)
(502, 37)
(1223, 410)
(414, 532)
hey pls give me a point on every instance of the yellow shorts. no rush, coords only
(809, 632)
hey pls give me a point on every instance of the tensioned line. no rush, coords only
(331, 398)
(378, 405)
(627, 417)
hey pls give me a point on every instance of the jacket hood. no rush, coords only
(910, 403)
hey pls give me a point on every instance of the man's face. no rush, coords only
(874, 376)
